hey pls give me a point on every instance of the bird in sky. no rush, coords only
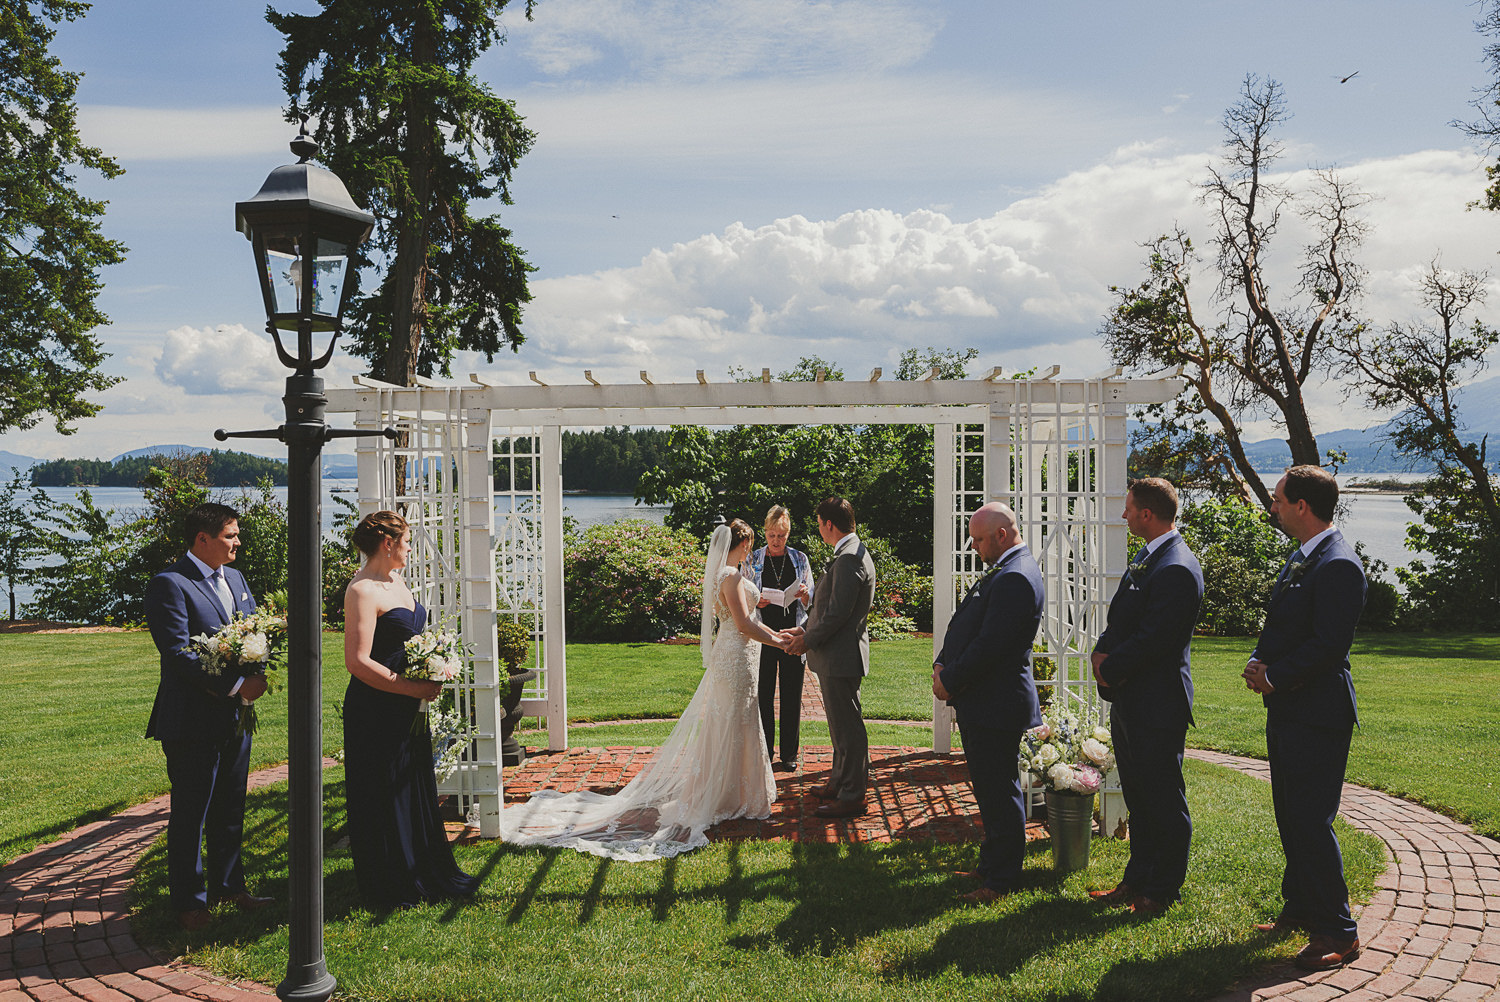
(1350, 77)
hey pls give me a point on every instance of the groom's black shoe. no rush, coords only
(841, 809)
(785, 766)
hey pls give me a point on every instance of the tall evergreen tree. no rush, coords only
(417, 139)
(51, 247)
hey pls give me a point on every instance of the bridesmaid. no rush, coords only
(401, 852)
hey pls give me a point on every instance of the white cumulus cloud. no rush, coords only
(1028, 285)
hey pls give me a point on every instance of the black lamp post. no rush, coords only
(304, 228)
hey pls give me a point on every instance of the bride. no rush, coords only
(713, 766)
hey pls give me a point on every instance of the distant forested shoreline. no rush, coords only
(226, 468)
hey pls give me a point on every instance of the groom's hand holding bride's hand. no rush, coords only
(795, 643)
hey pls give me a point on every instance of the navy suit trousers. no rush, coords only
(1307, 780)
(1150, 761)
(995, 773)
(208, 795)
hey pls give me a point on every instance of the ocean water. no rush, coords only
(1377, 520)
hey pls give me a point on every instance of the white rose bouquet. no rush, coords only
(1067, 752)
(246, 645)
(438, 655)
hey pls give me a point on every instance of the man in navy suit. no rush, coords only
(1301, 669)
(196, 717)
(1141, 663)
(984, 673)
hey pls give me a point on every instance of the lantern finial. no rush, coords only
(304, 146)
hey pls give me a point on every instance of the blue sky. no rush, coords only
(721, 184)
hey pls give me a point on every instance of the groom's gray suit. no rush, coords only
(838, 652)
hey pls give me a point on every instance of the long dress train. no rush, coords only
(713, 767)
(401, 853)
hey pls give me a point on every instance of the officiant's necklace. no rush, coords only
(778, 565)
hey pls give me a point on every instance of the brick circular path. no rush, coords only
(1432, 931)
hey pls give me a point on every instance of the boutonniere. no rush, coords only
(1135, 570)
(1294, 570)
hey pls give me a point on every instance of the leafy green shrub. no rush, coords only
(1382, 607)
(341, 561)
(1043, 669)
(888, 627)
(512, 643)
(632, 580)
(1241, 554)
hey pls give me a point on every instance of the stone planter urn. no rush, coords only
(511, 750)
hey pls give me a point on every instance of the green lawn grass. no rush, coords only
(754, 920)
(73, 748)
(776, 920)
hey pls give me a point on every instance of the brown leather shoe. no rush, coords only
(196, 920)
(840, 809)
(1325, 953)
(247, 902)
(1121, 895)
(824, 792)
(1147, 907)
(982, 896)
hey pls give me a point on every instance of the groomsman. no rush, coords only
(196, 718)
(1141, 664)
(984, 673)
(836, 641)
(1301, 669)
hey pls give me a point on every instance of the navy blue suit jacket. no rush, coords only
(191, 704)
(1149, 636)
(1309, 629)
(986, 655)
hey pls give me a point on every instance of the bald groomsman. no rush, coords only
(984, 673)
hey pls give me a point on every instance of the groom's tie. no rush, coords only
(226, 598)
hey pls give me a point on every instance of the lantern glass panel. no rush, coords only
(330, 270)
(284, 270)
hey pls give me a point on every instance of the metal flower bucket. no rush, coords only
(1070, 821)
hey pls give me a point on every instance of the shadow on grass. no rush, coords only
(38, 838)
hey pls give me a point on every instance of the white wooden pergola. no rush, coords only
(1053, 448)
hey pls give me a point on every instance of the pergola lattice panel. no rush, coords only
(1054, 449)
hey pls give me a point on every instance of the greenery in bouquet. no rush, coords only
(246, 645)
(1069, 752)
(439, 655)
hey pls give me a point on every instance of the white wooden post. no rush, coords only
(555, 652)
(478, 567)
(944, 464)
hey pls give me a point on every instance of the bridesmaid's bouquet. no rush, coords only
(244, 646)
(438, 655)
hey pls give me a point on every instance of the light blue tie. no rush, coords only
(226, 598)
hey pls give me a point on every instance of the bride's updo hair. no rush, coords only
(739, 532)
(375, 529)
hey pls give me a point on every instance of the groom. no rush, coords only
(196, 717)
(837, 646)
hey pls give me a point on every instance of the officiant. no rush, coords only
(784, 577)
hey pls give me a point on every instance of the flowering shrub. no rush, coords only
(632, 580)
(1067, 752)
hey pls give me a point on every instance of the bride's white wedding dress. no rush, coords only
(712, 768)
